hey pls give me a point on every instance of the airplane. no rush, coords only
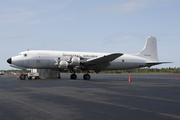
(86, 61)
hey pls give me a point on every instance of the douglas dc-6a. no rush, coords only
(85, 61)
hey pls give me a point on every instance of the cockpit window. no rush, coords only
(25, 55)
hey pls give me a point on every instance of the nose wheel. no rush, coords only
(86, 77)
(73, 76)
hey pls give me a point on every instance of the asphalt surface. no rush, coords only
(104, 97)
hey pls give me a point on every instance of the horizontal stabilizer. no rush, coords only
(151, 63)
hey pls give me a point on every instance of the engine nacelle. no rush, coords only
(63, 65)
(75, 61)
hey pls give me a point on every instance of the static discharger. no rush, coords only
(129, 78)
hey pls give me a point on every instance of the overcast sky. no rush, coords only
(89, 26)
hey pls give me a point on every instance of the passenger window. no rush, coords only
(25, 55)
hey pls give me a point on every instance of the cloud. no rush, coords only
(65, 19)
(25, 36)
(14, 15)
(123, 8)
(28, 11)
(116, 40)
(57, 19)
(34, 22)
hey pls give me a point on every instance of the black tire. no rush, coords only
(86, 77)
(22, 77)
(37, 77)
(30, 78)
(73, 76)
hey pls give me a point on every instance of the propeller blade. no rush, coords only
(56, 60)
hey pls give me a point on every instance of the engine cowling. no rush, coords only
(63, 65)
(75, 61)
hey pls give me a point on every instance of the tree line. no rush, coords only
(138, 70)
(145, 70)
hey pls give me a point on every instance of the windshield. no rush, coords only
(22, 54)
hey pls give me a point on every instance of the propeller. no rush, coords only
(69, 60)
(57, 61)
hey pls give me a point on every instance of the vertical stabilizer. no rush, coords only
(150, 50)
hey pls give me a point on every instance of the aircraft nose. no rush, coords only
(9, 60)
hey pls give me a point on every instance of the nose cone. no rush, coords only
(9, 60)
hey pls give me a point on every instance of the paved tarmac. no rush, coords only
(104, 97)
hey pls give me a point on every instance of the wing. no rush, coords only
(97, 64)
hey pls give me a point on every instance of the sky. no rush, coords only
(90, 26)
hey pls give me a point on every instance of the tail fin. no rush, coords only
(150, 50)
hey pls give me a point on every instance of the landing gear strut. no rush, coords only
(73, 76)
(86, 77)
(59, 75)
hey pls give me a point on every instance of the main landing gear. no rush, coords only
(85, 77)
(73, 76)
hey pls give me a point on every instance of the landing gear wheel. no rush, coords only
(86, 77)
(37, 77)
(73, 76)
(22, 77)
(29, 78)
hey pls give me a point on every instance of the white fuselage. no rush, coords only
(46, 59)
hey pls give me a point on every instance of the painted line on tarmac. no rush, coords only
(136, 77)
